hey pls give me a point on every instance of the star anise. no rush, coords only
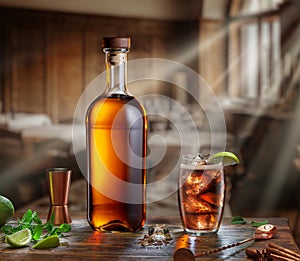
(257, 255)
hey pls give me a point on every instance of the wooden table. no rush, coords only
(85, 244)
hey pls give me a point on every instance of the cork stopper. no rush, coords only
(116, 42)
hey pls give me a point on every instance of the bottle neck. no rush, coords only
(116, 71)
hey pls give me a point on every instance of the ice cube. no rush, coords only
(207, 221)
(158, 232)
(157, 235)
(200, 163)
(212, 173)
(193, 185)
(193, 204)
(198, 183)
(212, 198)
(210, 178)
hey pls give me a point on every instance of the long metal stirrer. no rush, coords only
(215, 250)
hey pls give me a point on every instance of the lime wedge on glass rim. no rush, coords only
(48, 242)
(20, 238)
(226, 157)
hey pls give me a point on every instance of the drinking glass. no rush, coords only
(201, 195)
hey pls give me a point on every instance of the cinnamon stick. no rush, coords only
(285, 250)
(280, 258)
(282, 253)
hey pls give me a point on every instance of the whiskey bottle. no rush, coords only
(116, 128)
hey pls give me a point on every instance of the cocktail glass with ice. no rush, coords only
(201, 195)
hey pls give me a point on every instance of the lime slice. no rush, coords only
(227, 158)
(48, 242)
(20, 238)
(7, 210)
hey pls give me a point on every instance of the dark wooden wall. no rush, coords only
(48, 58)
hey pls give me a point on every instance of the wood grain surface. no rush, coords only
(82, 243)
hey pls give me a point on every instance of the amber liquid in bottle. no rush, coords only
(116, 147)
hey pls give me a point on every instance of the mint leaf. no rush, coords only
(48, 226)
(36, 219)
(64, 228)
(258, 224)
(27, 217)
(238, 220)
(7, 229)
(37, 232)
(58, 231)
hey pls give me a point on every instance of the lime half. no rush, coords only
(7, 210)
(20, 238)
(48, 242)
(226, 157)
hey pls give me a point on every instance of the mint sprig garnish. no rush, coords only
(38, 230)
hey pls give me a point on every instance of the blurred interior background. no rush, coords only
(248, 51)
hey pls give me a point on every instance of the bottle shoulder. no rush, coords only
(121, 109)
(114, 102)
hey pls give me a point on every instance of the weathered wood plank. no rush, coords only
(85, 244)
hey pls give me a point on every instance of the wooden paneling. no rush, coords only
(49, 58)
(28, 69)
(93, 63)
(67, 73)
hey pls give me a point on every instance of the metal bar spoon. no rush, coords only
(261, 233)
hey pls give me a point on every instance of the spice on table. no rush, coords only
(273, 252)
(279, 251)
(257, 255)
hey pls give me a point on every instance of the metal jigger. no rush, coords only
(58, 180)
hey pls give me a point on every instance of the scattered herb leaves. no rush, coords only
(258, 224)
(238, 220)
(38, 230)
